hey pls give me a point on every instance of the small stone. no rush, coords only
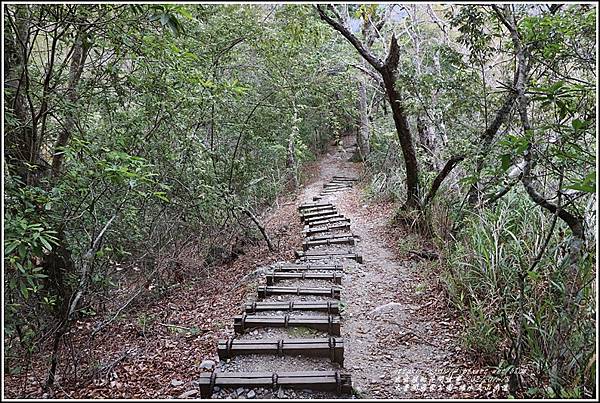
(175, 382)
(189, 393)
(207, 364)
(280, 393)
(217, 389)
(255, 332)
(239, 391)
(251, 395)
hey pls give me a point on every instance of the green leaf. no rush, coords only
(162, 196)
(46, 244)
(505, 159)
(12, 246)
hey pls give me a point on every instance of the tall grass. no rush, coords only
(515, 310)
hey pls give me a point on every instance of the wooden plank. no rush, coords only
(332, 191)
(330, 323)
(338, 252)
(326, 242)
(313, 205)
(329, 216)
(330, 307)
(329, 381)
(328, 221)
(303, 275)
(308, 231)
(265, 291)
(305, 266)
(315, 209)
(319, 215)
(353, 256)
(332, 347)
(330, 236)
(345, 178)
(336, 185)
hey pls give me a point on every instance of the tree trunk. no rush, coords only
(291, 162)
(404, 136)
(19, 142)
(77, 61)
(363, 127)
(435, 185)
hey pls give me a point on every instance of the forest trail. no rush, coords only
(398, 340)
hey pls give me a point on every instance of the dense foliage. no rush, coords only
(133, 131)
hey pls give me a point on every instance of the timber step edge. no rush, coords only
(313, 205)
(274, 277)
(330, 236)
(325, 228)
(329, 221)
(330, 216)
(306, 266)
(326, 242)
(354, 256)
(332, 347)
(309, 214)
(328, 381)
(265, 291)
(329, 307)
(329, 323)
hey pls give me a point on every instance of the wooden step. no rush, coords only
(315, 209)
(345, 178)
(318, 215)
(328, 381)
(300, 253)
(305, 258)
(303, 275)
(305, 206)
(329, 307)
(333, 185)
(332, 191)
(332, 347)
(306, 266)
(325, 228)
(328, 221)
(326, 242)
(316, 212)
(329, 323)
(265, 291)
(330, 236)
(330, 216)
